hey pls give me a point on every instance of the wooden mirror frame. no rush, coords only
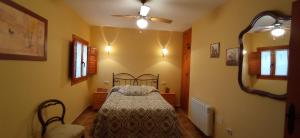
(277, 15)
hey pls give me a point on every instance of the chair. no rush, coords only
(60, 131)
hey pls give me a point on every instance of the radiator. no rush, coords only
(202, 116)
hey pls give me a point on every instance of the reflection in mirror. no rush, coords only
(265, 55)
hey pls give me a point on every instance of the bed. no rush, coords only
(134, 108)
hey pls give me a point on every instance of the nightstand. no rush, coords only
(99, 98)
(170, 97)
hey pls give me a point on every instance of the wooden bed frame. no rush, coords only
(128, 79)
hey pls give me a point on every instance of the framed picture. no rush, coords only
(232, 56)
(23, 34)
(215, 50)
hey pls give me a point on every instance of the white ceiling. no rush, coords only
(182, 12)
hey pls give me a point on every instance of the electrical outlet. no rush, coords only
(229, 131)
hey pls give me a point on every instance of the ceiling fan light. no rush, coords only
(142, 23)
(144, 10)
(277, 32)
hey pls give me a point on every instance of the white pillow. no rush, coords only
(130, 90)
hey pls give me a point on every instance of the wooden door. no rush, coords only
(185, 76)
(292, 123)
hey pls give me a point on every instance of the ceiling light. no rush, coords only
(144, 10)
(142, 23)
(277, 32)
(165, 51)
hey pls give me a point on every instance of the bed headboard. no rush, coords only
(128, 79)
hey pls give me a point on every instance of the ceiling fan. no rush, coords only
(277, 29)
(142, 18)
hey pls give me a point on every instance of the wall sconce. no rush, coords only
(165, 52)
(108, 48)
(244, 52)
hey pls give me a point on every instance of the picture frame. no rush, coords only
(215, 50)
(23, 34)
(232, 56)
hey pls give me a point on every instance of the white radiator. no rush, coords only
(202, 116)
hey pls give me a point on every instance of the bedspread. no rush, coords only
(148, 116)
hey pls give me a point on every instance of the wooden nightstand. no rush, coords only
(170, 97)
(99, 98)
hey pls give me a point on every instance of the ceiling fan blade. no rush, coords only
(127, 16)
(266, 29)
(163, 20)
(269, 27)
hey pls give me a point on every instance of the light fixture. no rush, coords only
(278, 30)
(142, 23)
(144, 10)
(108, 48)
(165, 52)
(244, 52)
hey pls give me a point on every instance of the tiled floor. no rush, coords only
(188, 129)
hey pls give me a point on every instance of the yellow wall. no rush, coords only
(249, 116)
(24, 84)
(252, 41)
(137, 53)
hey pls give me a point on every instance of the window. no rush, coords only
(273, 62)
(79, 59)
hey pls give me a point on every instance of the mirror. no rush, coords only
(264, 45)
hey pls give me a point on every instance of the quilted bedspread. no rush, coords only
(148, 116)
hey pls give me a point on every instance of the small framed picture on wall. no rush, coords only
(232, 56)
(215, 50)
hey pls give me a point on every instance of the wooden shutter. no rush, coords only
(92, 61)
(254, 63)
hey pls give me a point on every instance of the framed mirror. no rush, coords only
(264, 53)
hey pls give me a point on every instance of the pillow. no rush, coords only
(129, 90)
(115, 88)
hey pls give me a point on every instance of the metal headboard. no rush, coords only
(128, 79)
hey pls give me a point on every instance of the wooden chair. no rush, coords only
(61, 131)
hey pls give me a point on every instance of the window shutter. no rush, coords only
(254, 63)
(92, 61)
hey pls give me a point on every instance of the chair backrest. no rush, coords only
(46, 122)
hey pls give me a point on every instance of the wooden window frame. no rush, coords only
(75, 80)
(273, 62)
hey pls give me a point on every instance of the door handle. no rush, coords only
(291, 117)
